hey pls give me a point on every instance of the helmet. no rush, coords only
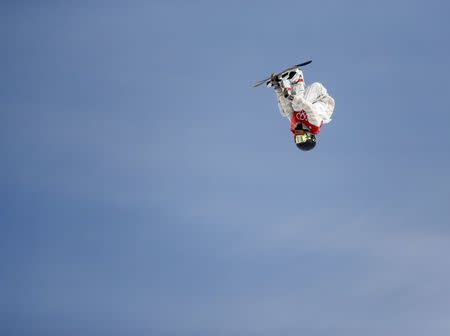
(305, 141)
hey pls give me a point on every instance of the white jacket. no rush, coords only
(314, 101)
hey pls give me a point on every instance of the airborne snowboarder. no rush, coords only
(306, 107)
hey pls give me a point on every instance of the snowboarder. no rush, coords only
(306, 107)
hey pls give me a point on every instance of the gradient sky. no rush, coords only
(147, 189)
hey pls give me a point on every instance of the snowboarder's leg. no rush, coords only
(317, 96)
(314, 91)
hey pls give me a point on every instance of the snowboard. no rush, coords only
(281, 72)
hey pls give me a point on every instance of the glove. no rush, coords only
(274, 81)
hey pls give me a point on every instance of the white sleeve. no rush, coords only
(284, 105)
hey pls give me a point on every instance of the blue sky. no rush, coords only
(147, 189)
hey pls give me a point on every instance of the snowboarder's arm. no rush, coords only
(284, 105)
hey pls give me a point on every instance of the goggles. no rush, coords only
(302, 138)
